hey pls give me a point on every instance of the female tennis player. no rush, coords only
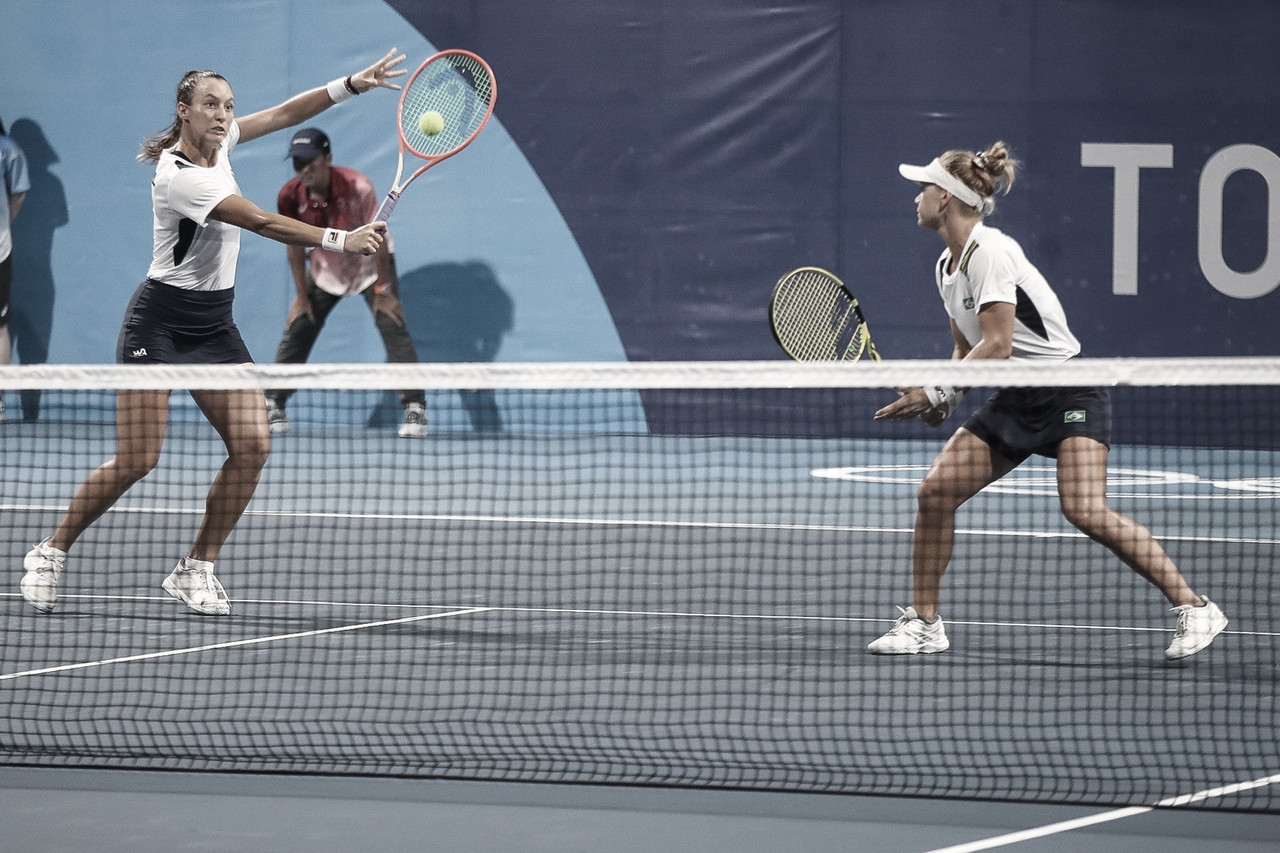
(1001, 307)
(181, 314)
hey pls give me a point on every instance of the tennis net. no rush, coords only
(655, 573)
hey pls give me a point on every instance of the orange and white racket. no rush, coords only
(443, 108)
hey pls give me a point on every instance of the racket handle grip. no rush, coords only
(388, 205)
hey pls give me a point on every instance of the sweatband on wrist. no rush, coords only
(333, 240)
(940, 394)
(340, 90)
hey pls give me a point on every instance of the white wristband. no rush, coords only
(940, 394)
(339, 91)
(948, 398)
(333, 240)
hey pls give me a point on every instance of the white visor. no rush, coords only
(936, 173)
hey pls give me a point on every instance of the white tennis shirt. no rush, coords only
(190, 250)
(993, 268)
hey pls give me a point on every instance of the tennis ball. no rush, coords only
(431, 122)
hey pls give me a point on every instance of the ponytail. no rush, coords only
(986, 173)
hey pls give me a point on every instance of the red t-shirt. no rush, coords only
(352, 203)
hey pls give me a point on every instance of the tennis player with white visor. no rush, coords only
(1001, 307)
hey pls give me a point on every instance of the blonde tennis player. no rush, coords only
(1001, 307)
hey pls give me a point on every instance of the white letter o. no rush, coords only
(1228, 161)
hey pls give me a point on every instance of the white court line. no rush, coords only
(1103, 817)
(234, 643)
(642, 522)
(666, 614)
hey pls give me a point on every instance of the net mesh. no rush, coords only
(650, 574)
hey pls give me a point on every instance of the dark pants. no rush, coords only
(300, 337)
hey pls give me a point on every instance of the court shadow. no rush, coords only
(34, 292)
(456, 312)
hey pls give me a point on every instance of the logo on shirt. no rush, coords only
(139, 353)
(968, 303)
(1075, 416)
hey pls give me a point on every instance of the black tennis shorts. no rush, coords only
(170, 325)
(1019, 422)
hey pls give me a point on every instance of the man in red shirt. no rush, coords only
(330, 196)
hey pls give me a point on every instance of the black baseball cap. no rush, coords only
(308, 143)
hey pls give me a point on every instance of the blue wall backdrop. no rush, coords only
(656, 166)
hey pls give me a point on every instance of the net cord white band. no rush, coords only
(1079, 372)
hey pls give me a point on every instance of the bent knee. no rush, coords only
(132, 467)
(250, 451)
(1088, 516)
(935, 495)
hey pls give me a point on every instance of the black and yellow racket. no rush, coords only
(816, 318)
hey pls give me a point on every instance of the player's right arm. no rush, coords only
(242, 213)
(914, 402)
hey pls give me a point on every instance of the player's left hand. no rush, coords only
(379, 73)
(911, 404)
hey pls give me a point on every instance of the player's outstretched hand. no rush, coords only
(379, 73)
(366, 239)
(911, 404)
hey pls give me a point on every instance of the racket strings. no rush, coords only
(458, 87)
(812, 321)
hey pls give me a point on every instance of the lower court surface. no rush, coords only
(86, 811)
(611, 616)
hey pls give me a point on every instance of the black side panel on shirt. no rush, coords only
(186, 236)
(1028, 315)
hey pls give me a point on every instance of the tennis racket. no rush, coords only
(459, 86)
(816, 318)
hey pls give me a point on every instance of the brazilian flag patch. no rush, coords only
(968, 303)
(1075, 416)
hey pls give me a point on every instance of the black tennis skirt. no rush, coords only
(1019, 422)
(170, 325)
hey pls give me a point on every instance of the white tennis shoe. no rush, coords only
(40, 584)
(415, 421)
(911, 635)
(1198, 624)
(194, 584)
(277, 420)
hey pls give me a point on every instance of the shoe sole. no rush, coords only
(172, 588)
(38, 605)
(923, 650)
